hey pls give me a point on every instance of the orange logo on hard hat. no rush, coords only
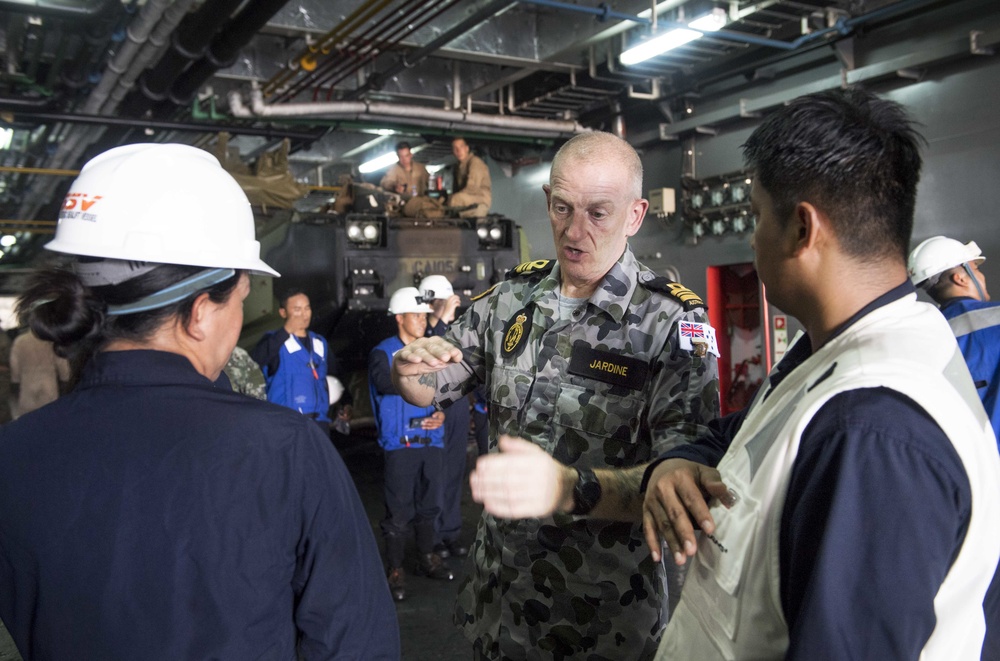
(76, 206)
(82, 200)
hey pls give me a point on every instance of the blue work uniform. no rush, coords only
(413, 457)
(295, 370)
(152, 515)
(874, 484)
(976, 325)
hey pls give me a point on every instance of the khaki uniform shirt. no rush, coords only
(35, 366)
(611, 387)
(472, 179)
(415, 181)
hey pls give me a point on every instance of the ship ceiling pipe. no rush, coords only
(405, 115)
(188, 44)
(225, 48)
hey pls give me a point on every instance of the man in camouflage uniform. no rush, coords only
(585, 361)
(245, 375)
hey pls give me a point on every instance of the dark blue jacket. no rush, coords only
(398, 426)
(150, 515)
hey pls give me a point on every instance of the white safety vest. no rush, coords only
(730, 607)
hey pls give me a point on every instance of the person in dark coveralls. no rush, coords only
(598, 362)
(413, 440)
(150, 513)
(850, 512)
(438, 293)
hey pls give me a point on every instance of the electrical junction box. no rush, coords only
(662, 201)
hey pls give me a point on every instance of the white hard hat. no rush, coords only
(407, 299)
(335, 388)
(164, 203)
(938, 254)
(435, 287)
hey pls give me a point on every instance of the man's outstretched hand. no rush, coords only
(522, 481)
(678, 493)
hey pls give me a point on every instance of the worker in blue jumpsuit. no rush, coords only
(413, 440)
(949, 272)
(295, 362)
(438, 293)
(151, 514)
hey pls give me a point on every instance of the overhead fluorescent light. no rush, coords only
(659, 45)
(380, 163)
(671, 39)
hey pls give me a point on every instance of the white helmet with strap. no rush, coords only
(164, 203)
(135, 207)
(434, 287)
(407, 299)
(936, 255)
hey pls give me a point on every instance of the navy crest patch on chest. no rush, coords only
(608, 367)
(515, 334)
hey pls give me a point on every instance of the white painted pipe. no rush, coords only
(404, 114)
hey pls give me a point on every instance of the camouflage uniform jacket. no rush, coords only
(549, 588)
(245, 375)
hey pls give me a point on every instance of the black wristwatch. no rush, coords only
(586, 492)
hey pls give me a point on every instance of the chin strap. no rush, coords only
(975, 281)
(175, 292)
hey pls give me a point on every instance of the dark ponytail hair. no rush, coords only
(59, 308)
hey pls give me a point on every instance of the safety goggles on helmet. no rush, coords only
(435, 287)
(407, 299)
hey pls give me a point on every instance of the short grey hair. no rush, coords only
(598, 146)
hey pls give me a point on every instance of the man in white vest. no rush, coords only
(851, 510)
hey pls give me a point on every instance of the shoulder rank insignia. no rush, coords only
(540, 266)
(484, 294)
(515, 334)
(676, 291)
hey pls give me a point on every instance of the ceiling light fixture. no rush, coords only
(671, 39)
(380, 163)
